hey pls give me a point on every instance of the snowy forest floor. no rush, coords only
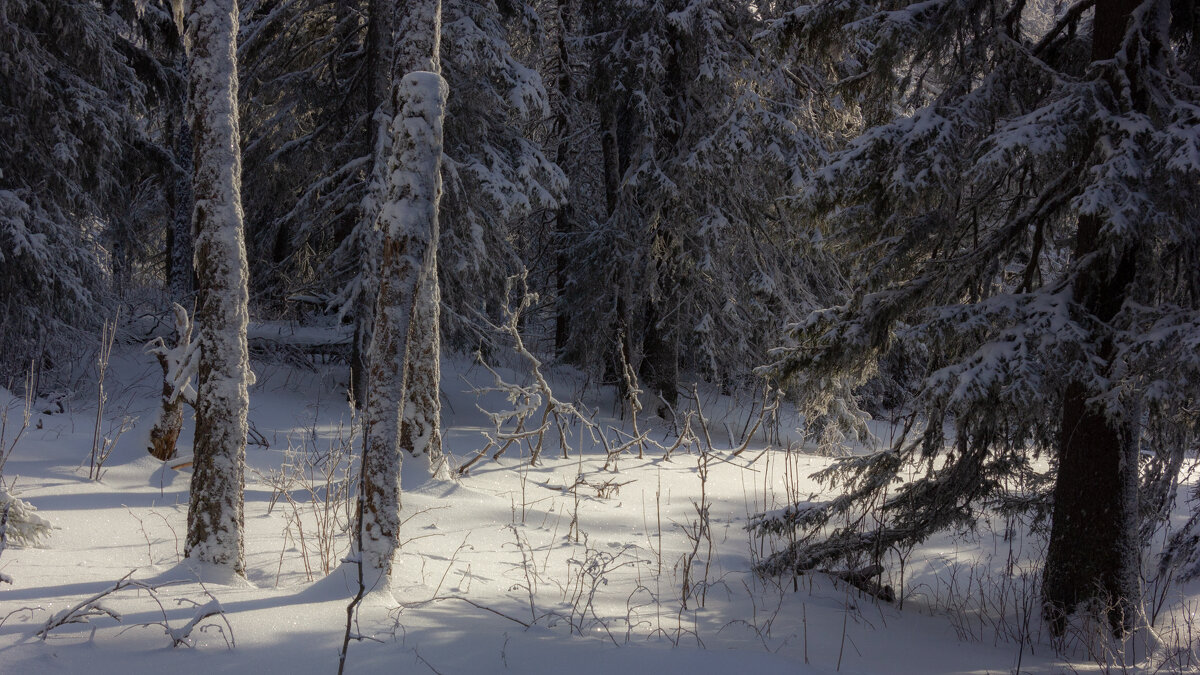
(567, 566)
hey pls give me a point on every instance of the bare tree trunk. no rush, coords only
(618, 348)
(165, 432)
(179, 237)
(660, 351)
(660, 339)
(562, 218)
(380, 34)
(408, 226)
(215, 512)
(1093, 552)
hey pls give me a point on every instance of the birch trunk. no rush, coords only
(408, 229)
(215, 515)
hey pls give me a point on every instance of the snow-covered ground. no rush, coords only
(567, 566)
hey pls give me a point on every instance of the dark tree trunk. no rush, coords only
(180, 281)
(562, 219)
(1093, 552)
(364, 322)
(660, 358)
(617, 350)
(380, 18)
(660, 341)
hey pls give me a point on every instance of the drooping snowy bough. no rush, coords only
(1026, 227)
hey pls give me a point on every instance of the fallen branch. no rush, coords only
(865, 579)
(469, 602)
(88, 609)
(91, 608)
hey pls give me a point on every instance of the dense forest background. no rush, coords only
(975, 218)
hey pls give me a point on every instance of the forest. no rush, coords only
(466, 336)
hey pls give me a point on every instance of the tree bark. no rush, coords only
(408, 227)
(179, 239)
(215, 511)
(380, 35)
(660, 341)
(660, 353)
(420, 425)
(1093, 554)
(562, 218)
(617, 350)
(164, 434)
(180, 281)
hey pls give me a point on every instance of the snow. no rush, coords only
(596, 570)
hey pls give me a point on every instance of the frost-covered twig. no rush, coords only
(179, 636)
(93, 607)
(535, 411)
(469, 602)
(764, 414)
(99, 446)
(87, 609)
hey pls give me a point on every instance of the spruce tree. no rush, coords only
(1016, 225)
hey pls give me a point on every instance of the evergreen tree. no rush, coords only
(1022, 221)
(310, 81)
(81, 161)
(313, 80)
(700, 135)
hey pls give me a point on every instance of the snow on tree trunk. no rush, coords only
(420, 426)
(379, 59)
(379, 41)
(215, 516)
(1093, 552)
(408, 227)
(176, 363)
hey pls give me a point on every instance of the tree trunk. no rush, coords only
(165, 432)
(1093, 553)
(660, 354)
(408, 226)
(660, 342)
(380, 22)
(617, 351)
(179, 237)
(215, 517)
(562, 218)
(420, 425)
